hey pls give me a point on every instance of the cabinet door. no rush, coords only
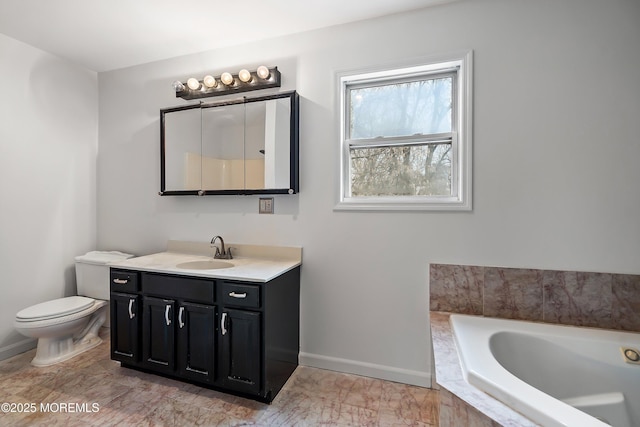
(223, 147)
(124, 327)
(241, 350)
(158, 332)
(196, 334)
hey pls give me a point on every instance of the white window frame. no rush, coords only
(461, 138)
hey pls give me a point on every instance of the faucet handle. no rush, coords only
(223, 255)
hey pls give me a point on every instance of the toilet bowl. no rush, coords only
(66, 327)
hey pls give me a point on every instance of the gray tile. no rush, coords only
(579, 299)
(456, 288)
(626, 302)
(513, 293)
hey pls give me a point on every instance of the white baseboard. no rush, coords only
(405, 376)
(17, 348)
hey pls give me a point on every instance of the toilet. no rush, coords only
(66, 327)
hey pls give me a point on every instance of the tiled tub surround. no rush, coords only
(605, 300)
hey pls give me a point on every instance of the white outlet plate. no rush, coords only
(266, 205)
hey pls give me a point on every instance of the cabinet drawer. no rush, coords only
(124, 281)
(178, 287)
(240, 295)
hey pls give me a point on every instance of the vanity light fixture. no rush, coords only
(178, 86)
(245, 80)
(193, 84)
(262, 72)
(227, 79)
(209, 81)
(244, 75)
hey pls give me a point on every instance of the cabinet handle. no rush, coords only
(234, 295)
(222, 322)
(166, 314)
(180, 322)
(121, 281)
(131, 313)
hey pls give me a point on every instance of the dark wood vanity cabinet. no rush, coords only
(239, 337)
(178, 336)
(125, 316)
(195, 349)
(179, 325)
(240, 350)
(125, 327)
(158, 334)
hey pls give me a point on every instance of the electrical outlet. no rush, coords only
(266, 205)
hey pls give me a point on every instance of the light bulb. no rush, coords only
(263, 72)
(209, 81)
(178, 86)
(227, 78)
(244, 75)
(193, 84)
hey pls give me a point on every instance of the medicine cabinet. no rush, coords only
(242, 146)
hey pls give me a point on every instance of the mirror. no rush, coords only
(246, 146)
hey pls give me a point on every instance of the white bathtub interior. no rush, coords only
(555, 375)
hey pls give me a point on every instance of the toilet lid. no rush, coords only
(55, 308)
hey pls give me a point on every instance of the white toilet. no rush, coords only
(66, 327)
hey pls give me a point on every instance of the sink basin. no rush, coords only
(204, 265)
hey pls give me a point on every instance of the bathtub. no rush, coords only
(555, 375)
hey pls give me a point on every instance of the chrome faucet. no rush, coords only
(220, 253)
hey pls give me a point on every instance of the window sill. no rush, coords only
(402, 204)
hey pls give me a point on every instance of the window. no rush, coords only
(405, 137)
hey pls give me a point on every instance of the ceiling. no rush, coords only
(104, 35)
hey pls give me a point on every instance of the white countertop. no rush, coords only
(250, 263)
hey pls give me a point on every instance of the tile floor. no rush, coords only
(107, 395)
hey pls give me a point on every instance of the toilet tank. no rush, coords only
(92, 272)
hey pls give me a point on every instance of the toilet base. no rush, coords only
(58, 349)
(52, 351)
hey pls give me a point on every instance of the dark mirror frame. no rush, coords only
(294, 136)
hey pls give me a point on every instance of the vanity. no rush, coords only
(231, 325)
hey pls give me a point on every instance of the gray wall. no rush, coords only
(556, 146)
(48, 150)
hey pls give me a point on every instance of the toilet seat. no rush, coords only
(54, 309)
(31, 324)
